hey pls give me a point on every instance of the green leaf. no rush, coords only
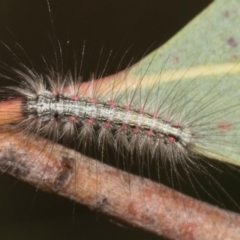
(194, 78)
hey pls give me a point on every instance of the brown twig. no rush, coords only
(135, 200)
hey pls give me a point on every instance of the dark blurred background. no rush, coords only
(129, 28)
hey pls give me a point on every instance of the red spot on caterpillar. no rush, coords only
(123, 127)
(149, 133)
(141, 110)
(72, 119)
(177, 125)
(111, 103)
(136, 130)
(89, 121)
(92, 100)
(128, 107)
(107, 124)
(224, 126)
(155, 114)
(74, 97)
(171, 139)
